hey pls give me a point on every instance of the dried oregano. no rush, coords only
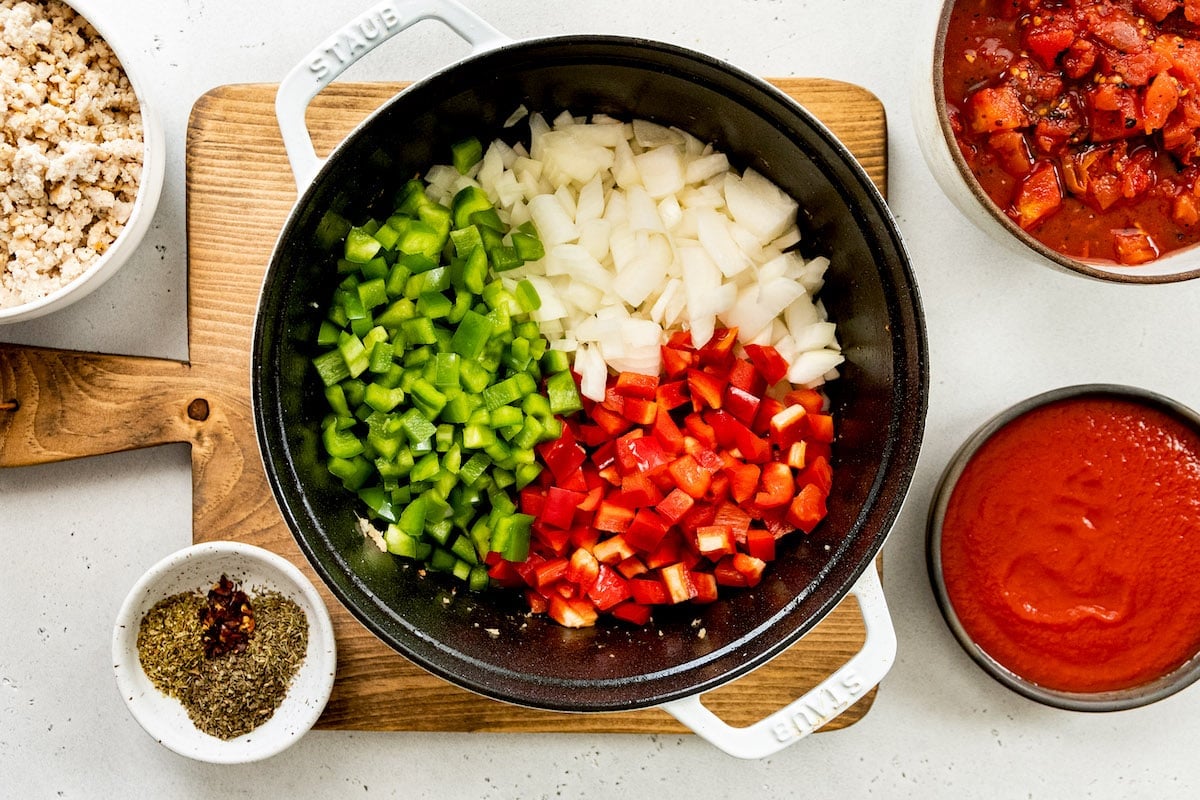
(232, 692)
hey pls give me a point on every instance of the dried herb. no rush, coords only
(233, 693)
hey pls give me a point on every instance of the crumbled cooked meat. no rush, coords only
(70, 148)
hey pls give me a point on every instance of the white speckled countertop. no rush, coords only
(77, 535)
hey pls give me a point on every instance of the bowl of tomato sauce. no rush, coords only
(1063, 545)
(1071, 130)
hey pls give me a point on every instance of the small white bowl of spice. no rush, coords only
(82, 158)
(224, 652)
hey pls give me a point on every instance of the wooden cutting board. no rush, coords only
(57, 405)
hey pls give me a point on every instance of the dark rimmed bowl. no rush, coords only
(1117, 700)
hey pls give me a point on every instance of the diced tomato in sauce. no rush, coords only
(1081, 119)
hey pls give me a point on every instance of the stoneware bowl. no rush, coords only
(1117, 700)
(153, 169)
(954, 176)
(197, 568)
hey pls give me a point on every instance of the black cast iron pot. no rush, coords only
(880, 401)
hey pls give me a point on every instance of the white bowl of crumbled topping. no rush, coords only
(82, 156)
(224, 652)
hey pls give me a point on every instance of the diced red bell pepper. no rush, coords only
(622, 451)
(743, 480)
(646, 530)
(613, 550)
(777, 486)
(584, 536)
(727, 575)
(753, 449)
(706, 388)
(639, 490)
(706, 586)
(768, 361)
(612, 423)
(670, 549)
(726, 429)
(810, 399)
(741, 404)
(608, 589)
(554, 540)
(708, 460)
(750, 567)
(612, 518)
(698, 429)
(633, 384)
(613, 401)
(639, 411)
(672, 395)
(760, 543)
(807, 509)
(574, 613)
(604, 455)
(715, 541)
(632, 612)
(649, 591)
(676, 362)
(531, 501)
(718, 490)
(582, 568)
(667, 432)
(504, 573)
(689, 476)
(820, 428)
(718, 350)
(789, 426)
(632, 567)
(818, 472)
(678, 502)
(678, 581)
(559, 507)
(796, 455)
(736, 519)
(562, 456)
(591, 435)
(681, 339)
(550, 571)
(647, 455)
(591, 500)
(538, 604)
(745, 376)
(768, 408)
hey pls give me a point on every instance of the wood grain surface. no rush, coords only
(57, 405)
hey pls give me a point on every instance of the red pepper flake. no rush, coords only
(228, 619)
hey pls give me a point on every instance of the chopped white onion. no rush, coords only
(648, 229)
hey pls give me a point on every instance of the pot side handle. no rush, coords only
(345, 47)
(819, 705)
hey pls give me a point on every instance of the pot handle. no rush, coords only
(819, 705)
(351, 42)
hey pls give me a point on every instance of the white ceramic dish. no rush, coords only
(954, 176)
(198, 567)
(153, 169)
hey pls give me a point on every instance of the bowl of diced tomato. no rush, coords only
(1071, 131)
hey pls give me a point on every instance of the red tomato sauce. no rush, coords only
(1080, 119)
(1071, 544)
